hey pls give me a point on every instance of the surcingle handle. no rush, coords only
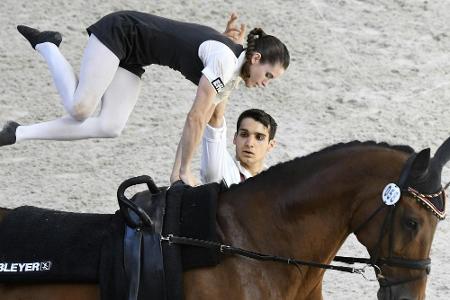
(126, 204)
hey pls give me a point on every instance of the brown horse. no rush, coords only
(305, 209)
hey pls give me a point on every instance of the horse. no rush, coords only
(389, 196)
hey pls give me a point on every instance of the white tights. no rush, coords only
(101, 79)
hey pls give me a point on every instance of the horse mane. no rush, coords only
(300, 164)
(403, 148)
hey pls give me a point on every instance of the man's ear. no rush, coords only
(234, 138)
(256, 57)
(272, 144)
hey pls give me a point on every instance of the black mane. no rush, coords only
(402, 148)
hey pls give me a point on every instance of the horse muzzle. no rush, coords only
(403, 291)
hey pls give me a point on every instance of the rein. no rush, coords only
(227, 249)
(374, 261)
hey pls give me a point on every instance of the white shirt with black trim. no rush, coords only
(222, 67)
(216, 163)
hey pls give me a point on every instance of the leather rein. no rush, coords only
(374, 261)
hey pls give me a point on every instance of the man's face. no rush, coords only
(261, 74)
(252, 143)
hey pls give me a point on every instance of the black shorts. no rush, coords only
(113, 32)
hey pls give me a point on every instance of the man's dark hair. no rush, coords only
(259, 116)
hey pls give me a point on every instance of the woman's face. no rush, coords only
(262, 73)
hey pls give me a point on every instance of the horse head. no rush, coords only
(407, 217)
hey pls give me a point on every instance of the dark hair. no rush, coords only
(272, 50)
(259, 116)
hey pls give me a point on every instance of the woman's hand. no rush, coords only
(234, 33)
(188, 178)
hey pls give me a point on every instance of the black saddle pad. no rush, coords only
(198, 221)
(41, 245)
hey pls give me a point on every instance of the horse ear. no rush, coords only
(415, 170)
(421, 175)
(419, 166)
(442, 155)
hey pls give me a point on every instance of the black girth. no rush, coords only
(145, 273)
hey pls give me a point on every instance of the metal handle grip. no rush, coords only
(126, 204)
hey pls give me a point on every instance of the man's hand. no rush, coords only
(234, 33)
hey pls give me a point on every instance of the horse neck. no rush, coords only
(307, 214)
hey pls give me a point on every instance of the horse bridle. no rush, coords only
(392, 193)
(376, 261)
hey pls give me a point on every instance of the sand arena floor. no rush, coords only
(365, 70)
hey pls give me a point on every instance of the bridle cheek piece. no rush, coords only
(391, 195)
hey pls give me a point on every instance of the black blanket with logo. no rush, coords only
(40, 245)
(48, 246)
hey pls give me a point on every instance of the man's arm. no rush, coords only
(214, 146)
(196, 120)
(214, 152)
(216, 119)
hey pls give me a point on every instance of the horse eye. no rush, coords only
(411, 224)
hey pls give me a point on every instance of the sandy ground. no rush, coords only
(366, 70)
